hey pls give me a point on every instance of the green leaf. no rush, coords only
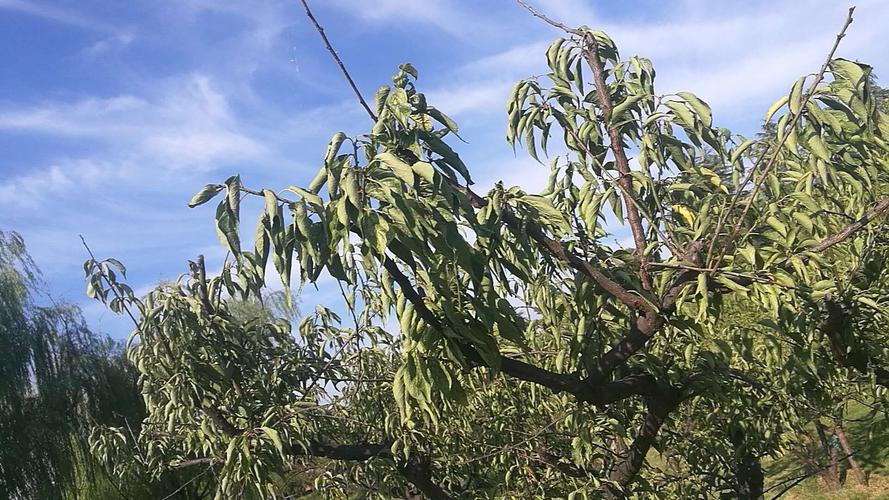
(775, 107)
(625, 105)
(550, 215)
(205, 194)
(398, 166)
(333, 147)
(731, 285)
(275, 437)
(409, 69)
(306, 195)
(845, 69)
(777, 225)
(233, 191)
(442, 118)
(796, 96)
(804, 220)
(425, 171)
(682, 112)
(350, 185)
(738, 151)
(701, 108)
(398, 105)
(380, 97)
(817, 146)
(869, 302)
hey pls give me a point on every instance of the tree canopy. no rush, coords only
(497, 344)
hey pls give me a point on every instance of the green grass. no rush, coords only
(870, 441)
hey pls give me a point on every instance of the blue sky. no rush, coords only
(112, 114)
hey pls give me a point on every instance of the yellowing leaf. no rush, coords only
(686, 213)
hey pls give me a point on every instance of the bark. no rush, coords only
(624, 471)
(420, 475)
(831, 474)
(849, 452)
(625, 181)
(749, 477)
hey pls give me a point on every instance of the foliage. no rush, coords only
(497, 344)
(58, 380)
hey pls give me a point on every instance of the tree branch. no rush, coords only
(724, 216)
(547, 20)
(591, 390)
(339, 61)
(557, 249)
(591, 54)
(852, 228)
(625, 470)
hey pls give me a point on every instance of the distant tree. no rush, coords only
(58, 381)
(530, 357)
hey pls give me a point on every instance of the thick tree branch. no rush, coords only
(592, 390)
(347, 452)
(591, 54)
(645, 326)
(624, 471)
(852, 228)
(417, 473)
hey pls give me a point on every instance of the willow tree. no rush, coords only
(497, 344)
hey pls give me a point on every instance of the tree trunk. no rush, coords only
(749, 477)
(831, 474)
(850, 453)
(625, 470)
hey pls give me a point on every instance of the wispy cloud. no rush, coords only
(446, 15)
(109, 44)
(29, 190)
(56, 14)
(189, 124)
(211, 88)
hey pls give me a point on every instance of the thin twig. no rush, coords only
(547, 20)
(802, 478)
(339, 61)
(786, 133)
(177, 490)
(108, 281)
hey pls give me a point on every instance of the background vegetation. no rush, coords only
(496, 345)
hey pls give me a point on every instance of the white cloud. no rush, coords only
(736, 59)
(28, 191)
(189, 124)
(483, 96)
